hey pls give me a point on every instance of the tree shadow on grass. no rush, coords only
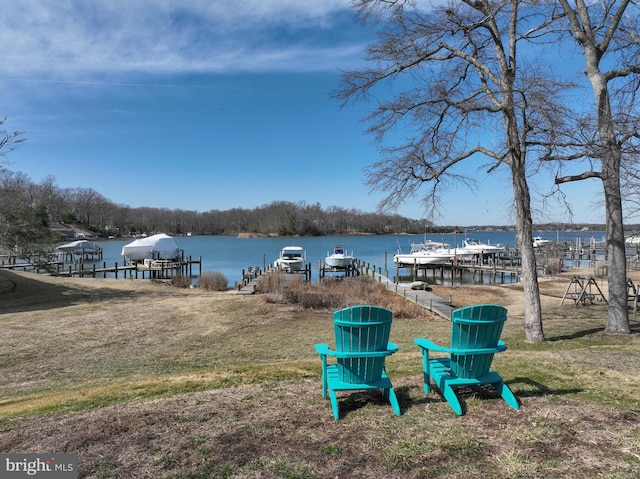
(26, 293)
(576, 335)
(634, 326)
(538, 389)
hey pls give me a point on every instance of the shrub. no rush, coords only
(312, 297)
(180, 281)
(334, 293)
(552, 266)
(213, 281)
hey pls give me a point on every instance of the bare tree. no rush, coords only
(88, 203)
(24, 224)
(607, 32)
(55, 200)
(458, 95)
(9, 140)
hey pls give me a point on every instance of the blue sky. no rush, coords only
(204, 105)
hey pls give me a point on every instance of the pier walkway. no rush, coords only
(422, 297)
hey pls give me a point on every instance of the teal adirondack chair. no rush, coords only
(362, 344)
(475, 338)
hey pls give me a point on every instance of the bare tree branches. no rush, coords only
(601, 29)
(582, 176)
(457, 97)
(439, 76)
(9, 141)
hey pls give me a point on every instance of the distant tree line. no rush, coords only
(33, 214)
(30, 214)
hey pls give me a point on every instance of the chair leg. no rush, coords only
(324, 384)
(426, 380)
(426, 377)
(452, 398)
(507, 394)
(325, 373)
(393, 399)
(334, 404)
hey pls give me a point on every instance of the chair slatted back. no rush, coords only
(475, 327)
(361, 329)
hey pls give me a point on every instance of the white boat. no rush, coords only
(160, 246)
(79, 247)
(477, 248)
(338, 257)
(633, 240)
(422, 254)
(292, 258)
(539, 241)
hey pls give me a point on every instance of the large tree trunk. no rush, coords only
(533, 331)
(618, 314)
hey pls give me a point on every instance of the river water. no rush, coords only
(229, 255)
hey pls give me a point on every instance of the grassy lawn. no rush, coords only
(149, 381)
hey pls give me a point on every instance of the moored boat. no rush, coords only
(474, 247)
(339, 257)
(79, 247)
(633, 240)
(422, 254)
(291, 259)
(539, 241)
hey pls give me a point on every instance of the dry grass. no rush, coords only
(213, 281)
(335, 293)
(149, 381)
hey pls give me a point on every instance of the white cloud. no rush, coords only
(64, 39)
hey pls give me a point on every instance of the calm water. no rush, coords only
(229, 255)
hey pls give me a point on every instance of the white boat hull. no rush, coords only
(422, 259)
(289, 265)
(538, 242)
(338, 258)
(338, 262)
(475, 248)
(423, 254)
(292, 258)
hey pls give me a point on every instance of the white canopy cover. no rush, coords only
(79, 247)
(160, 246)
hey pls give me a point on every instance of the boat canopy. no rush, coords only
(79, 247)
(160, 246)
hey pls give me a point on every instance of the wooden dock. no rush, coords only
(251, 277)
(153, 269)
(461, 272)
(335, 271)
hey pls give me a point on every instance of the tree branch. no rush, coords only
(613, 25)
(583, 176)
